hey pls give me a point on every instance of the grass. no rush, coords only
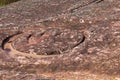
(5, 2)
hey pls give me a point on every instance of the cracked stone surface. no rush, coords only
(60, 40)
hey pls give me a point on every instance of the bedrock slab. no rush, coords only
(43, 37)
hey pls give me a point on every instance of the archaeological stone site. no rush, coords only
(60, 40)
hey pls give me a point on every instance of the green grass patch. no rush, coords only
(5, 2)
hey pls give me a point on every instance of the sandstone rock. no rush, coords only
(69, 35)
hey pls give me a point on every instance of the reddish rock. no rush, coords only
(85, 33)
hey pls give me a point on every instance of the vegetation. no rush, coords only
(4, 2)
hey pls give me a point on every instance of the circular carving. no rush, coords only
(49, 41)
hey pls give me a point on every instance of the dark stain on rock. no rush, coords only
(7, 39)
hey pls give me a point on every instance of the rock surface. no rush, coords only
(60, 39)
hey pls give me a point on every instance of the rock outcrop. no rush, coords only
(49, 36)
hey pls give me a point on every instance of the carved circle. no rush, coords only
(49, 41)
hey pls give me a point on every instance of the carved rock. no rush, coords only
(45, 36)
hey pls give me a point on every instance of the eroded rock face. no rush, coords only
(72, 34)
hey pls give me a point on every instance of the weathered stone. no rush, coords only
(67, 35)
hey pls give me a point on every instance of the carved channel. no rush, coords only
(51, 41)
